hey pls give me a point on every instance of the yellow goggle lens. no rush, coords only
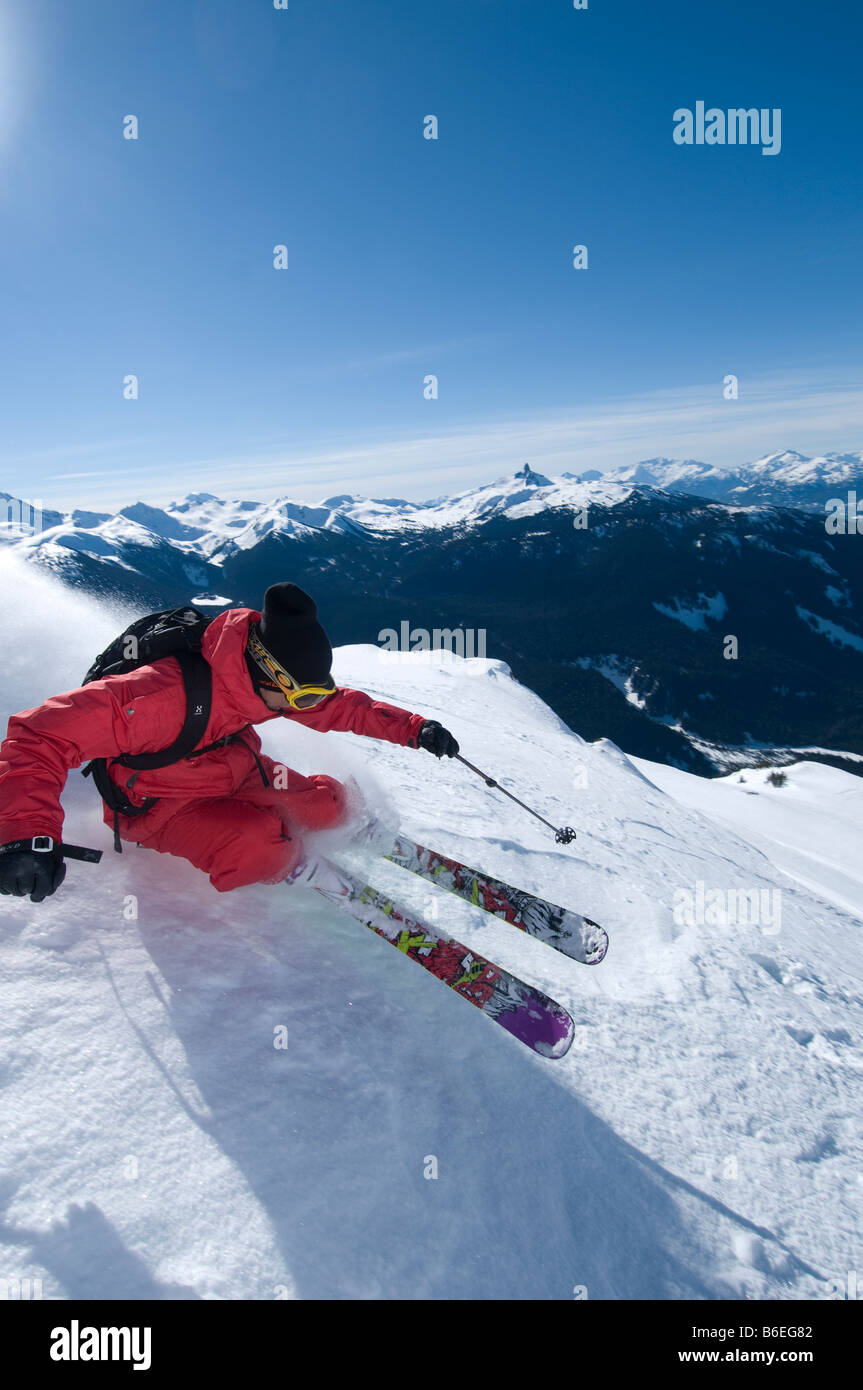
(298, 696)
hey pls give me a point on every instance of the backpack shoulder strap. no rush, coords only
(198, 682)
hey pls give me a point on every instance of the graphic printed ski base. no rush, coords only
(575, 936)
(539, 1022)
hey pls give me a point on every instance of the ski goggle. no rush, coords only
(298, 696)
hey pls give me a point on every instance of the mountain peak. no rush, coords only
(527, 475)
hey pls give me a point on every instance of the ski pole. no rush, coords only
(564, 836)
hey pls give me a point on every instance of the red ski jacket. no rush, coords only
(143, 712)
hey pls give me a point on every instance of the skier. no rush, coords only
(230, 810)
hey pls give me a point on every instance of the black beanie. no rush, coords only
(290, 631)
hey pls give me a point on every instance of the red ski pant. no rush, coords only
(254, 836)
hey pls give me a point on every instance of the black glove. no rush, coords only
(436, 739)
(33, 867)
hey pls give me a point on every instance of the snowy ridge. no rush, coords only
(523, 494)
(699, 1141)
(788, 466)
(663, 473)
(783, 478)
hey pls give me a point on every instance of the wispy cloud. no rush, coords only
(789, 411)
(431, 353)
(800, 410)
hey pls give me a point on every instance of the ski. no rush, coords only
(575, 936)
(529, 1015)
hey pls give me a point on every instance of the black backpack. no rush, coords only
(176, 632)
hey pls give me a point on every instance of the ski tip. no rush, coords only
(596, 946)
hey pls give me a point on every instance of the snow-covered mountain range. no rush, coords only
(782, 479)
(212, 528)
(701, 1140)
(612, 596)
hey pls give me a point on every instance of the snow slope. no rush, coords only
(701, 1140)
(809, 827)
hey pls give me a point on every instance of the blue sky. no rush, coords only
(409, 257)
